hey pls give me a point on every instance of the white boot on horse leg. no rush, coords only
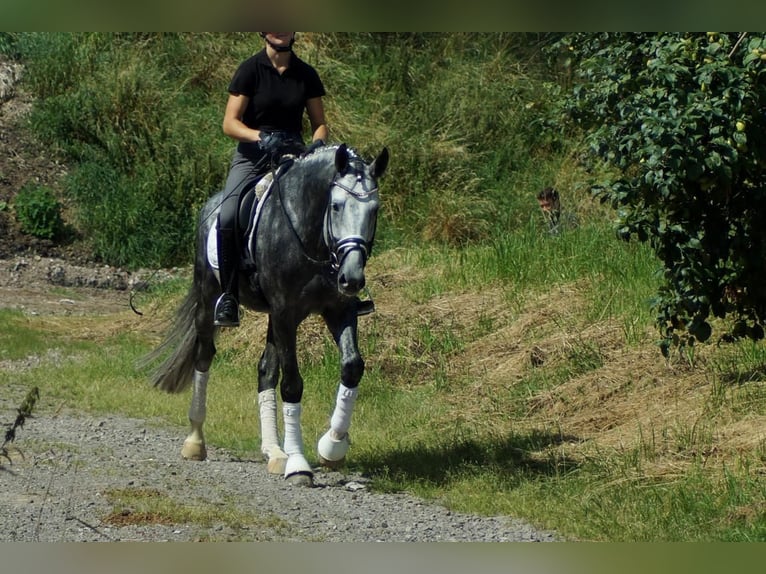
(276, 459)
(297, 471)
(335, 443)
(194, 445)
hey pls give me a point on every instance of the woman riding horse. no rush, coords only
(314, 236)
(267, 94)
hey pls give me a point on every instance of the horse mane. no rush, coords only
(320, 153)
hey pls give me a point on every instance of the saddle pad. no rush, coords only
(262, 190)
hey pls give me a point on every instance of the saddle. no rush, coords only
(248, 216)
(250, 211)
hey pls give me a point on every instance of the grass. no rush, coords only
(537, 394)
(147, 506)
(17, 340)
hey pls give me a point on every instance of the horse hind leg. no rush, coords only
(276, 458)
(204, 351)
(194, 445)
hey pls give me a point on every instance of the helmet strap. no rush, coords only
(287, 48)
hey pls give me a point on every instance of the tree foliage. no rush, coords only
(680, 117)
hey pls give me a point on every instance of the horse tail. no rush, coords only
(174, 374)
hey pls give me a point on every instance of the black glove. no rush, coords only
(266, 142)
(277, 144)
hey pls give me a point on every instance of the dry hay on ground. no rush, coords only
(630, 398)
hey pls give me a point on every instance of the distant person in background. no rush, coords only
(550, 204)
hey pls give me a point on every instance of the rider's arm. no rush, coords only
(315, 109)
(233, 126)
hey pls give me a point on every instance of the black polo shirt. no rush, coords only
(277, 100)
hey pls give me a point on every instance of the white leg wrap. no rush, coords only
(293, 436)
(198, 408)
(332, 448)
(344, 407)
(296, 462)
(267, 406)
(194, 445)
(335, 443)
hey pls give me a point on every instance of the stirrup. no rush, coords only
(365, 307)
(224, 307)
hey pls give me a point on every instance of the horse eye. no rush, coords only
(335, 206)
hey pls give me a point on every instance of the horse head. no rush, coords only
(351, 216)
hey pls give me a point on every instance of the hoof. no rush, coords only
(332, 451)
(301, 479)
(276, 460)
(298, 471)
(193, 450)
(332, 464)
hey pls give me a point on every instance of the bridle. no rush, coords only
(340, 248)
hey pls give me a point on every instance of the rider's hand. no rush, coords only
(265, 141)
(316, 144)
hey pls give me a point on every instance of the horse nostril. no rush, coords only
(350, 285)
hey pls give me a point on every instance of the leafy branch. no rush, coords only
(24, 411)
(679, 118)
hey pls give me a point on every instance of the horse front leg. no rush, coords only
(268, 377)
(297, 470)
(334, 444)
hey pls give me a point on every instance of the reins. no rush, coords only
(292, 227)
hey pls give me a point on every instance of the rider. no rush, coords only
(264, 113)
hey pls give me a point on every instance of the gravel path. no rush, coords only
(62, 490)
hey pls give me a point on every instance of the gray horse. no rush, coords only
(306, 246)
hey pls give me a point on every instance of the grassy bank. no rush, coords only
(469, 120)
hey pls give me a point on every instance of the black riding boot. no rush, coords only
(227, 306)
(364, 306)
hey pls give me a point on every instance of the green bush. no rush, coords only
(39, 212)
(8, 44)
(680, 117)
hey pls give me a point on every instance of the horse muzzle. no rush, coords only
(350, 258)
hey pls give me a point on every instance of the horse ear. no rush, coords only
(341, 158)
(380, 164)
